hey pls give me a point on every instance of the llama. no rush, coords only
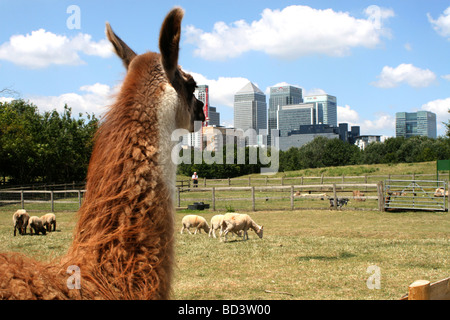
(123, 239)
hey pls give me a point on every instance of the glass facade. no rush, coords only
(281, 96)
(421, 123)
(250, 110)
(291, 117)
(326, 108)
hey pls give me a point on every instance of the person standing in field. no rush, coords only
(195, 179)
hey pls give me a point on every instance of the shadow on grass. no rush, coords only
(341, 255)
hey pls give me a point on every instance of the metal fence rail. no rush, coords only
(416, 195)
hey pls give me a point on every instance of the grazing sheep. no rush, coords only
(49, 220)
(196, 222)
(20, 221)
(35, 223)
(216, 223)
(235, 222)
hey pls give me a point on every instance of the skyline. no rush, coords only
(376, 57)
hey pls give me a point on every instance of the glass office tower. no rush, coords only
(281, 96)
(250, 110)
(420, 123)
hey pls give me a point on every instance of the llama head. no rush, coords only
(189, 108)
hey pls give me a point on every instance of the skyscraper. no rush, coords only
(420, 123)
(326, 108)
(202, 94)
(281, 96)
(250, 110)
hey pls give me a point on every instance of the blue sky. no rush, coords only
(376, 57)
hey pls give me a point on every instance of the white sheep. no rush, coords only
(48, 221)
(20, 221)
(35, 223)
(216, 224)
(235, 222)
(196, 222)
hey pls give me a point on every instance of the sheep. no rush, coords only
(440, 192)
(36, 224)
(216, 224)
(49, 220)
(236, 222)
(20, 221)
(195, 221)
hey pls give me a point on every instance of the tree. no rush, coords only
(49, 147)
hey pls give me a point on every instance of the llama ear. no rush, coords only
(123, 51)
(169, 41)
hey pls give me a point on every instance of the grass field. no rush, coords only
(308, 254)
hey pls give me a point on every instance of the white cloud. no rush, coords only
(347, 115)
(442, 24)
(42, 48)
(404, 73)
(292, 32)
(222, 90)
(446, 77)
(93, 99)
(440, 107)
(383, 123)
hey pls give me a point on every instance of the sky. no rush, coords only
(376, 57)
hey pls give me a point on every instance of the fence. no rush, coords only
(360, 196)
(249, 194)
(416, 195)
(305, 180)
(423, 290)
(42, 200)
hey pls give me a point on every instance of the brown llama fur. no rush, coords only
(123, 240)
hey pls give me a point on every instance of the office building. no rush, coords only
(202, 94)
(291, 117)
(250, 111)
(281, 96)
(420, 123)
(214, 117)
(326, 108)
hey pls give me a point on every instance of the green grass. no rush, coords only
(308, 254)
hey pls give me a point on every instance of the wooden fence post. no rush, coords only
(22, 200)
(292, 197)
(448, 197)
(380, 194)
(253, 198)
(334, 195)
(79, 199)
(419, 290)
(214, 198)
(178, 197)
(51, 199)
